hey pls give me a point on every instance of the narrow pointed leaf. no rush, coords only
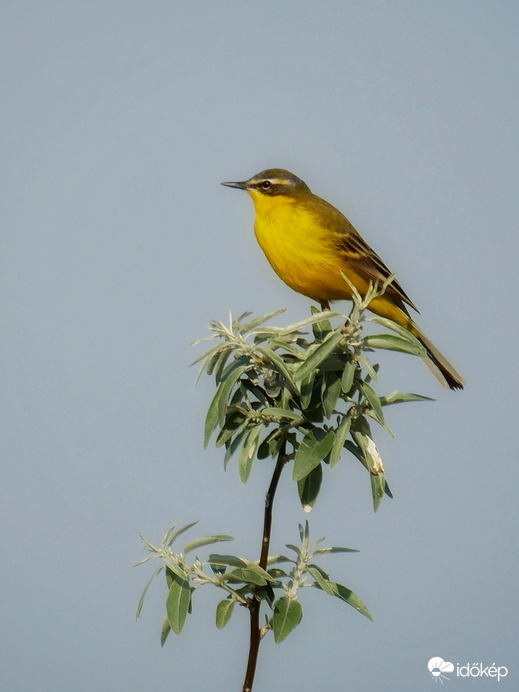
(340, 438)
(221, 364)
(177, 604)
(323, 583)
(334, 549)
(226, 560)
(294, 548)
(145, 591)
(209, 353)
(307, 386)
(297, 326)
(399, 397)
(369, 367)
(275, 559)
(236, 442)
(230, 376)
(170, 576)
(308, 488)
(174, 533)
(166, 629)
(218, 361)
(216, 412)
(277, 573)
(248, 452)
(390, 342)
(254, 567)
(347, 376)
(280, 413)
(205, 540)
(209, 359)
(312, 450)
(373, 400)
(276, 343)
(378, 483)
(351, 599)
(257, 321)
(238, 562)
(317, 357)
(394, 327)
(211, 419)
(331, 389)
(248, 576)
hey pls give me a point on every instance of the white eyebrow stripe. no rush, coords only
(275, 181)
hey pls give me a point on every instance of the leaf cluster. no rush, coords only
(244, 581)
(308, 393)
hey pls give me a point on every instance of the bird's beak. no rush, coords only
(241, 185)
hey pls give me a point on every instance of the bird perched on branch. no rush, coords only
(310, 245)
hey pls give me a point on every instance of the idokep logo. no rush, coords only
(438, 667)
(478, 670)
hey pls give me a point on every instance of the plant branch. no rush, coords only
(255, 604)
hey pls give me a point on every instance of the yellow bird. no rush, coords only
(308, 243)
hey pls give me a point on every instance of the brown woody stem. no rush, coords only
(255, 604)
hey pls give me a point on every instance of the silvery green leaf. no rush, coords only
(347, 595)
(378, 483)
(166, 629)
(312, 450)
(340, 438)
(248, 452)
(223, 612)
(399, 397)
(145, 591)
(373, 400)
(321, 581)
(390, 342)
(330, 391)
(205, 540)
(334, 549)
(348, 374)
(287, 615)
(177, 604)
(308, 488)
(257, 321)
(317, 356)
(174, 533)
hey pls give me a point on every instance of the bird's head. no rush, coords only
(273, 186)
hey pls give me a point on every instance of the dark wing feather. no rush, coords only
(367, 263)
(357, 253)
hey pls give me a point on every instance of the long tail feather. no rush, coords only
(441, 368)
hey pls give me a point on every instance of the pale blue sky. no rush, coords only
(118, 121)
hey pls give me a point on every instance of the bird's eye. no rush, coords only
(266, 185)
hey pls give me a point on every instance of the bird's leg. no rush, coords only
(347, 330)
(325, 305)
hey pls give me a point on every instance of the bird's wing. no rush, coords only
(365, 261)
(356, 252)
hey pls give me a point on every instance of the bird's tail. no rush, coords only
(441, 368)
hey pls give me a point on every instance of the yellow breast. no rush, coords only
(302, 252)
